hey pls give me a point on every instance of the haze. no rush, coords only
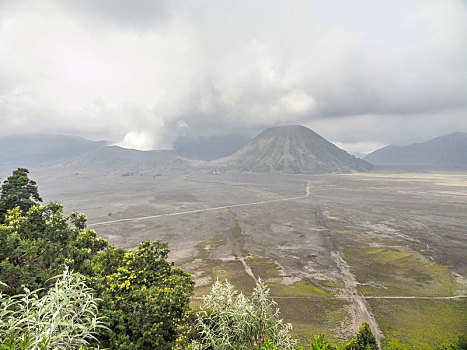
(143, 73)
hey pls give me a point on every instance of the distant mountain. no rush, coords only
(38, 150)
(442, 152)
(209, 147)
(126, 161)
(292, 149)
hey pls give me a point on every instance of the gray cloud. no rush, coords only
(135, 14)
(142, 73)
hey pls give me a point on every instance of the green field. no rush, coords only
(420, 324)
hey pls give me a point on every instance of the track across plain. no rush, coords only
(141, 218)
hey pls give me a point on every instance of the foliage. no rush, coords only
(266, 343)
(66, 317)
(460, 344)
(35, 245)
(229, 320)
(320, 343)
(364, 340)
(18, 191)
(145, 298)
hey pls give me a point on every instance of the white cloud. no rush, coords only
(142, 74)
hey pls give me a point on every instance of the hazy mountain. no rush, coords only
(210, 147)
(442, 152)
(292, 149)
(38, 150)
(360, 155)
(114, 158)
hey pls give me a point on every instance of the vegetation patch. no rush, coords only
(398, 272)
(298, 289)
(315, 315)
(237, 234)
(420, 324)
(204, 247)
(265, 268)
(331, 284)
(232, 271)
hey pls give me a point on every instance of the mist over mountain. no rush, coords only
(447, 151)
(359, 155)
(37, 150)
(293, 149)
(209, 147)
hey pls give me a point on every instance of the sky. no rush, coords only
(142, 73)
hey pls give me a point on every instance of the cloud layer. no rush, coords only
(142, 72)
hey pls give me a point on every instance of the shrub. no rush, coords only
(230, 320)
(65, 318)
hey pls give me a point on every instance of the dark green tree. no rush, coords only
(36, 245)
(364, 340)
(144, 298)
(18, 191)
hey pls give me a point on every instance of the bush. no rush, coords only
(229, 320)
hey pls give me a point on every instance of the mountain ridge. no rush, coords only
(116, 158)
(36, 150)
(440, 152)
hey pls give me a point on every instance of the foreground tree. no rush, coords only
(18, 191)
(145, 298)
(364, 340)
(35, 245)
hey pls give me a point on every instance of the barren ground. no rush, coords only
(332, 248)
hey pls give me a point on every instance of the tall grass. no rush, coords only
(64, 318)
(229, 320)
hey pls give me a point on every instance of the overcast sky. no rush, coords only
(362, 74)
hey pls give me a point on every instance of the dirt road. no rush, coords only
(113, 222)
(359, 304)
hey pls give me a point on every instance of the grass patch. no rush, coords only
(265, 268)
(310, 316)
(420, 324)
(332, 284)
(232, 270)
(237, 234)
(298, 289)
(204, 247)
(398, 271)
(268, 271)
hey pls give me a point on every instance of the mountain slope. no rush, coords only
(38, 150)
(445, 151)
(292, 149)
(114, 158)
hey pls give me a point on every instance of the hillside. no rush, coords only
(448, 151)
(292, 149)
(38, 150)
(114, 158)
